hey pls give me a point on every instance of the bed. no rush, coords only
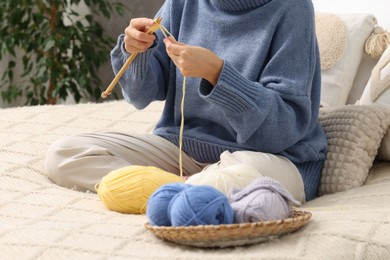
(350, 218)
(40, 220)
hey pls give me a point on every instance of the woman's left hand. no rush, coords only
(193, 61)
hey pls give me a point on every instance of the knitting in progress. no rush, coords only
(156, 26)
(125, 66)
(204, 200)
(127, 189)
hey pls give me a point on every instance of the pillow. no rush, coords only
(332, 38)
(377, 91)
(379, 8)
(354, 133)
(341, 39)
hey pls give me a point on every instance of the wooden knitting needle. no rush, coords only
(109, 89)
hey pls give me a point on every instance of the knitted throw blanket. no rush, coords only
(39, 220)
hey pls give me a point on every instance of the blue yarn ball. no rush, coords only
(200, 205)
(157, 206)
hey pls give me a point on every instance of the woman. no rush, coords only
(252, 95)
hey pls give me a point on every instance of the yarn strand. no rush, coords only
(165, 32)
(182, 128)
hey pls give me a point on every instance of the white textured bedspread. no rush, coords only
(39, 220)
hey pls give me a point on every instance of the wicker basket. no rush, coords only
(231, 235)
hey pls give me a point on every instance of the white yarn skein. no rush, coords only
(225, 179)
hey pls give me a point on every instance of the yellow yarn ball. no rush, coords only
(128, 189)
(225, 179)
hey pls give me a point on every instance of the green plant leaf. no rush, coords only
(49, 43)
(57, 59)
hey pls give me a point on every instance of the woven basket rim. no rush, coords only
(230, 234)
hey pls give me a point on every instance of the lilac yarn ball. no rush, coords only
(200, 205)
(157, 206)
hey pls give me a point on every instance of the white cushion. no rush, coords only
(338, 78)
(377, 91)
(379, 8)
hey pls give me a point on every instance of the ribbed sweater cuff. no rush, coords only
(232, 92)
(140, 64)
(311, 175)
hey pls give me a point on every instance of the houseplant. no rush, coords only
(58, 44)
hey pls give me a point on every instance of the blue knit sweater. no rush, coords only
(268, 93)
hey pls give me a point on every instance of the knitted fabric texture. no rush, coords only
(40, 220)
(238, 5)
(354, 135)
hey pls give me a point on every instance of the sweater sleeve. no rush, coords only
(276, 111)
(146, 79)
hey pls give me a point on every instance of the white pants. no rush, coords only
(81, 161)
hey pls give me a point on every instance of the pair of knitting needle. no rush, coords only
(157, 25)
(110, 88)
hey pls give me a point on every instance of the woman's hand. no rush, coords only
(194, 61)
(136, 39)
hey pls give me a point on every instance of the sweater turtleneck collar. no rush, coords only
(238, 5)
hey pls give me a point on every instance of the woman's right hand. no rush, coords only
(136, 39)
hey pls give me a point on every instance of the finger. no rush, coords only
(142, 23)
(132, 49)
(139, 36)
(173, 40)
(132, 45)
(172, 47)
(168, 46)
(177, 63)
